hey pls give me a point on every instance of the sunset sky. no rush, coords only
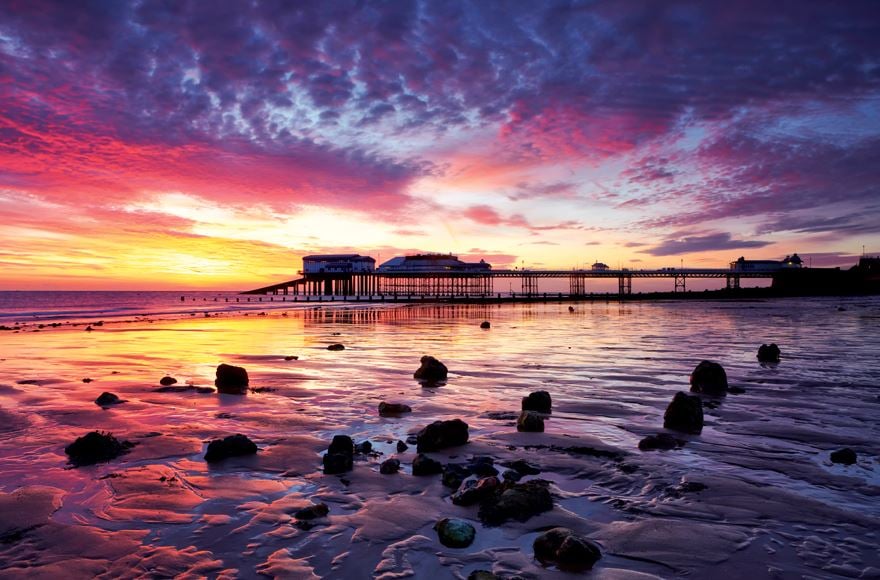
(213, 144)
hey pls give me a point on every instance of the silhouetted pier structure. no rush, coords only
(457, 284)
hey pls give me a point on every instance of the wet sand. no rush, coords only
(773, 504)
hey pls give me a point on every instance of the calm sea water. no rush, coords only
(774, 505)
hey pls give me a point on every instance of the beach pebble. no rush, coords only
(424, 465)
(661, 442)
(442, 434)
(485, 324)
(386, 409)
(231, 380)
(845, 456)
(389, 466)
(167, 381)
(684, 413)
(455, 533)
(96, 447)
(431, 369)
(516, 501)
(232, 446)
(709, 378)
(312, 512)
(768, 353)
(336, 346)
(538, 401)
(530, 421)
(106, 398)
(401, 446)
(567, 550)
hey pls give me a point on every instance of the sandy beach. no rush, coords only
(754, 495)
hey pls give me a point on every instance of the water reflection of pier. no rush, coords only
(396, 314)
(440, 285)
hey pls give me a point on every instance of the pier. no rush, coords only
(458, 284)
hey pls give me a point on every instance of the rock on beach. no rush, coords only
(516, 501)
(236, 445)
(231, 380)
(340, 455)
(167, 381)
(106, 399)
(386, 409)
(569, 551)
(684, 413)
(424, 465)
(530, 421)
(96, 447)
(539, 401)
(768, 353)
(441, 434)
(431, 369)
(709, 378)
(455, 533)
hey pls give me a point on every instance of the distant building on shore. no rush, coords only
(432, 263)
(787, 263)
(338, 264)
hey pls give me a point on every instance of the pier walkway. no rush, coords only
(464, 284)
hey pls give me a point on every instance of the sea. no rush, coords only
(754, 495)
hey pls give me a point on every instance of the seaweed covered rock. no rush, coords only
(106, 399)
(232, 446)
(475, 491)
(455, 533)
(709, 378)
(340, 455)
(516, 501)
(391, 409)
(431, 369)
(530, 421)
(442, 434)
(95, 447)
(768, 353)
(567, 550)
(684, 413)
(231, 380)
(539, 401)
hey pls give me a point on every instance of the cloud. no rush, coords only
(709, 242)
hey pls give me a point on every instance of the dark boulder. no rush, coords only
(442, 434)
(231, 380)
(105, 399)
(684, 413)
(485, 324)
(455, 533)
(401, 446)
(389, 466)
(342, 444)
(364, 448)
(340, 455)
(659, 442)
(475, 491)
(538, 401)
(709, 378)
(566, 549)
(87, 380)
(530, 421)
(312, 512)
(167, 381)
(516, 501)
(846, 456)
(386, 409)
(482, 466)
(233, 446)
(336, 346)
(96, 447)
(768, 353)
(424, 465)
(431, 369)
